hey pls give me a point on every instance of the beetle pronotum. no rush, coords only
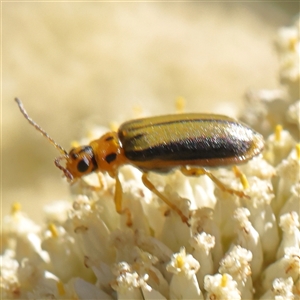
(189, 142)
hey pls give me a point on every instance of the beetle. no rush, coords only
(189, 142)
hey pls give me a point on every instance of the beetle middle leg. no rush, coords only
(201, 171)
(154, 190)
(118, 201)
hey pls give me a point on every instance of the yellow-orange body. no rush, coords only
(161, 144)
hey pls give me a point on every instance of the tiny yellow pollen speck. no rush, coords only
(52, 228)
(93, 205)
(278, 130)
(16, 207)
(298, 151)
(293, 43)
(179, 261)
(180, 104)
(60, 288)
(244, 181)
(74, 144)
(224, 280)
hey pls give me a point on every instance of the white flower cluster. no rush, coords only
(268, 108)
(234, 248)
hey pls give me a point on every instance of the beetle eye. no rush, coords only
(83, 165)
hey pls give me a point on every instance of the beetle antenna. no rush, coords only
(66, 171)
(41, 130)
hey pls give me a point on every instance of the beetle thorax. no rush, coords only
(108, 153)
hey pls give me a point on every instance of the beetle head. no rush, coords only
(79, 162)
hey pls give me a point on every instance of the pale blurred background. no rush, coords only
(79, 64)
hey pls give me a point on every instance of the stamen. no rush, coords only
(278, 131)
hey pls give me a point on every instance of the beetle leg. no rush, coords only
(101, 183)
(118, 201)
(101, 180)
(201, 171)
(148, 184)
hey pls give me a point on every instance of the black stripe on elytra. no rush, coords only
(197, 148)
(132, 139)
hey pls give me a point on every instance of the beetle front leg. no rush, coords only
(148, 184)
(118, 201)
(201, 171)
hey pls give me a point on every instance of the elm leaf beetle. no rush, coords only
(188, 142)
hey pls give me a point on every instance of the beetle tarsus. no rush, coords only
(201, 171)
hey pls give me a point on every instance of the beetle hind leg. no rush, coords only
(201, 171)
(148, 184)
